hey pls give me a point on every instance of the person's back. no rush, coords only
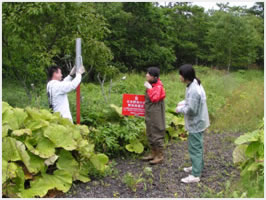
(197, 120)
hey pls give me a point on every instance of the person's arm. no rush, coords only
(68, 86)
(71, 74)
(68, 78)
(155, 93)
(191, 105)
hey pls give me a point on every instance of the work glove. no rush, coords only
(81, 70)
(147, 85)
(180, 105)
(73, 71)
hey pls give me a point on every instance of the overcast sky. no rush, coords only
(210, 5)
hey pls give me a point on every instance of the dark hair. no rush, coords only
(154, 71)
(51, 71)
(188, 73)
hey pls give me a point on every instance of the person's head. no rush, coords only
(54, 73)
(187, 74)
(153, 74)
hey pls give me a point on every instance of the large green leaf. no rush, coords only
(35, 124)
(25, 157)
(21, 132)
(248, 137)
(68, 163)
(99, 161)
(239, 154)
(173, 132)
(44, 147)
(254, 148)
(14, 150)
(5, 129)
(4, 170)
(14, 117)
(5, 107)
(51, 160)
(117, 109)
(135, 146)
(255, 166)
(60, 136)
(9, 149)
(14, 189)
(85, 148)
(84, 130)
(36, 163)
(83, 172)
(178, 121)
(60, 180)
(20, 115)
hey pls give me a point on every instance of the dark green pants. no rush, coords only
(195, 148)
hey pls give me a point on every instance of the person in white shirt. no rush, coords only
(57, 89)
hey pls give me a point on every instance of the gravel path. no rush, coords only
(165, 181)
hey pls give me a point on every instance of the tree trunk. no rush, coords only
(102, 84)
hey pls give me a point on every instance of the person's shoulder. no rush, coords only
(53, 83)
(194, 89)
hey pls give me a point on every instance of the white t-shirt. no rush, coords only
(57, 92)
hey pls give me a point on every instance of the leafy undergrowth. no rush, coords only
(44, 152)
(121, 135)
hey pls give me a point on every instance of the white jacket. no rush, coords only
(195, 108)
(57, 93)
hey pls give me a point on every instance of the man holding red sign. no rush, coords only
(154, 115)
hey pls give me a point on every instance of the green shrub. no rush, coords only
(249, 156)
(43, 151)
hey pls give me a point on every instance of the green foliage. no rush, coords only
(249, 156)
(229, 37)
(131, 181)
(135, 146)
(115, 138)
(175, 126)
(45, 150)
(132, 24)
(37, 35)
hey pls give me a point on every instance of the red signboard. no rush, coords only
(133, 105)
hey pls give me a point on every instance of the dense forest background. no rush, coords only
(127, 37)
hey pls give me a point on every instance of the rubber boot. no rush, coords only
(158, 157)
(150, 156)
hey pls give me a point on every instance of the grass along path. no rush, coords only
(165, 178)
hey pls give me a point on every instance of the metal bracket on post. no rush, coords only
(78, 63)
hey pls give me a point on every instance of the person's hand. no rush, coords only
(81, 70)
(147, 85)
(177, 109)
(73, 71)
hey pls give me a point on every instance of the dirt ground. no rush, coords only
(165, 181)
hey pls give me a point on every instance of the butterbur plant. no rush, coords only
(249, 156)
(43, 151)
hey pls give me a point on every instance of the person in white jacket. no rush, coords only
(195, 111)
(57, 89)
